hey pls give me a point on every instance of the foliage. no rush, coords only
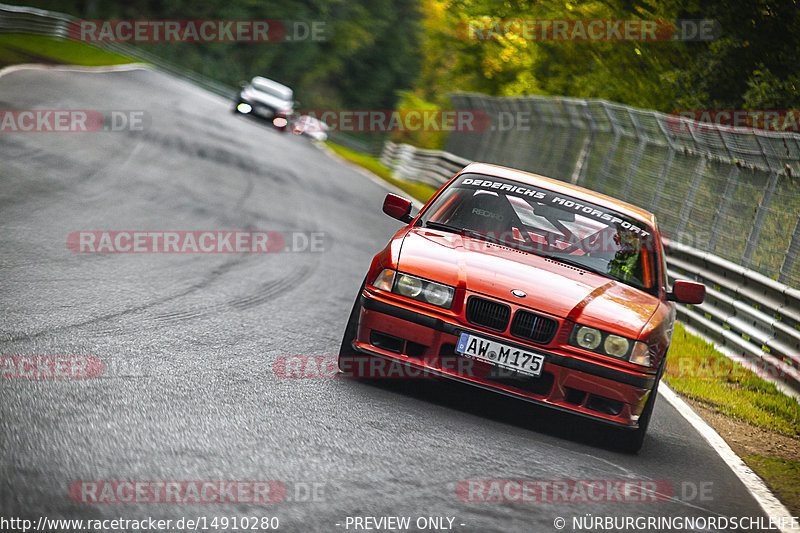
(752, 62)
(368, 53)
(430, 138)
(377, 50)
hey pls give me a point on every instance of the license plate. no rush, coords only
(500, 354)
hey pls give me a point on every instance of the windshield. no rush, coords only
(549, 224)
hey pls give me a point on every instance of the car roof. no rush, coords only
(562, 187)
(260, 82)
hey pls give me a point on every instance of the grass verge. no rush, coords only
(781, 475)
(17, 48)
(696, 370)
(420, 191)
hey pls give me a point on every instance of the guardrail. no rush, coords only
(755, 319)
(432, 167)
(20, 19)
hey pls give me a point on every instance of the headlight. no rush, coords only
(423, 290)
(606, 343)
(244, 108)
(438, 294)
(588, 338)
(408, 286)
(616, 346)
(280, 122)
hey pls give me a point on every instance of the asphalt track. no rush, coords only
(188, 341)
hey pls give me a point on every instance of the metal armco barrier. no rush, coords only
(751, 315)
(432, 167)
(18, 19)
(755, 317)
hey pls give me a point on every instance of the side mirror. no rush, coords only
(397, 207)
(687, 292)
(242, 84)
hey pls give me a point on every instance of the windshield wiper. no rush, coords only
(578, 264)
(460, 231)
(444, 227)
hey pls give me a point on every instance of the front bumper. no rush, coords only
(265, 113)
(401, 333)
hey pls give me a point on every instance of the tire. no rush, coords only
(346, 350)
(632, 440)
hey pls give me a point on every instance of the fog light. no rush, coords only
(280, 122)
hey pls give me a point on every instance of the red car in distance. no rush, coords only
(527, 286)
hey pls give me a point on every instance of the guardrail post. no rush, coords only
(722, 211)
(637, 156)
(758, 223)
(662, 179)
(688, 203)
(582, 166)
(573, 127)
(606, 167)
(791, 254)
(521, 147)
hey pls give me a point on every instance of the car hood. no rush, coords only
(551, 287)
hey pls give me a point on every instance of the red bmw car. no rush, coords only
(527, 286)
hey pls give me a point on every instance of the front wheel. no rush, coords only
(346, 350)
(632, 440)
